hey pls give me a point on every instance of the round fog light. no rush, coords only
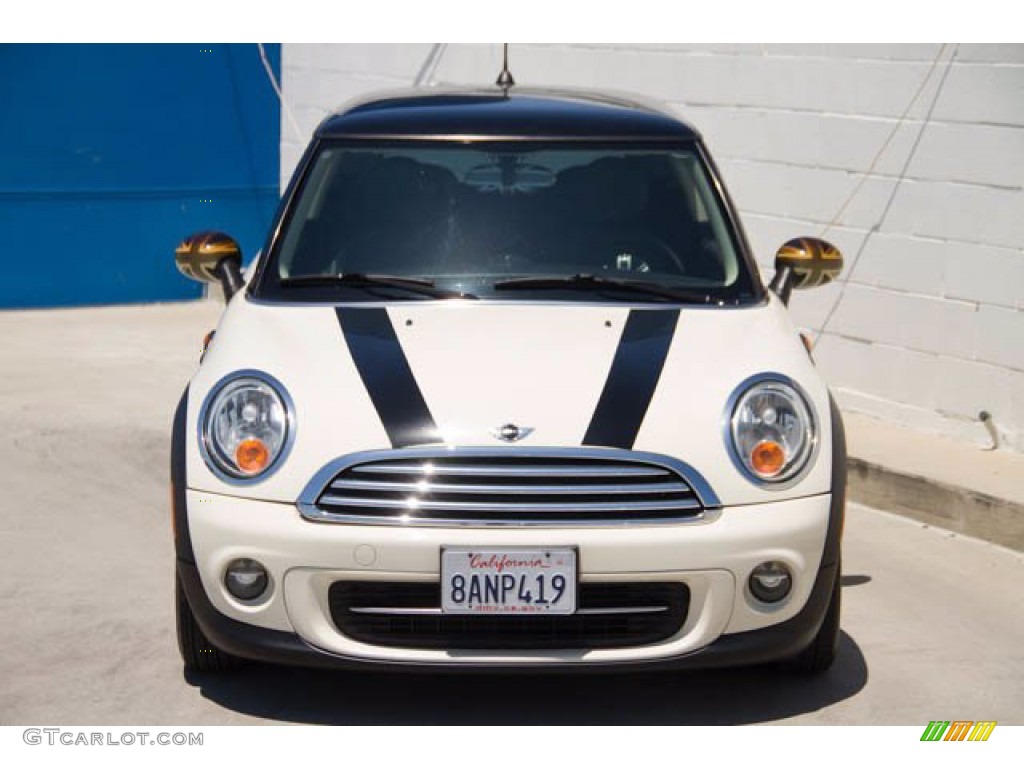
(246, 579)
(770, 582)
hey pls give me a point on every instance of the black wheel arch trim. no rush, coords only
(837, 508)
(179, 483)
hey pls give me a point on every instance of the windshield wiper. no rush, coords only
(596, 282)
(361, 280)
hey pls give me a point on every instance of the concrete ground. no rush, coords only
(933, 623)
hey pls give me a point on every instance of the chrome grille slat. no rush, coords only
(428, 469)
(477, 486)
(404, 505)
(428, 486)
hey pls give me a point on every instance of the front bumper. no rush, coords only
(724, 626)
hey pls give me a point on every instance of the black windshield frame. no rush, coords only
(265, 285)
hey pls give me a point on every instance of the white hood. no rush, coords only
(480, 365)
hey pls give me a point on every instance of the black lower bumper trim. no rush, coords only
(583, 629)
(744, 648)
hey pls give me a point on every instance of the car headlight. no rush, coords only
(772, 429)
(246, 426)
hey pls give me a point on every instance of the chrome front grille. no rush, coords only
(507, 487)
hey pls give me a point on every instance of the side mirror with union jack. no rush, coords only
(211, 257)
(805, 262)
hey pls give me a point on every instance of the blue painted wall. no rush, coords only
(111, 154)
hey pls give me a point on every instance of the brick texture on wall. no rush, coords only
(929, 330)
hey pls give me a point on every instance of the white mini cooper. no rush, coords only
(504, 390)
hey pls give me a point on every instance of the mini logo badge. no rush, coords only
(511, 433)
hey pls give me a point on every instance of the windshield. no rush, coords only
(472, 218)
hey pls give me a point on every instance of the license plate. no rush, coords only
(508, 581)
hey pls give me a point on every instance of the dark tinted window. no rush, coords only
(466, 216)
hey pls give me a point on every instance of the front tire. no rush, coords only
(197, 652)
(819, 656)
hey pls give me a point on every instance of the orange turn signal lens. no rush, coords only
(252, 456)
(767, 458)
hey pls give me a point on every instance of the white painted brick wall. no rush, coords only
(930, 329)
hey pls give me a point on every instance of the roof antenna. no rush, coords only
(505, 79)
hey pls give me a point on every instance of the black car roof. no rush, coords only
(497, 113)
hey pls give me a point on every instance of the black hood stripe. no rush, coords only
(632, 379)
(385, 372)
